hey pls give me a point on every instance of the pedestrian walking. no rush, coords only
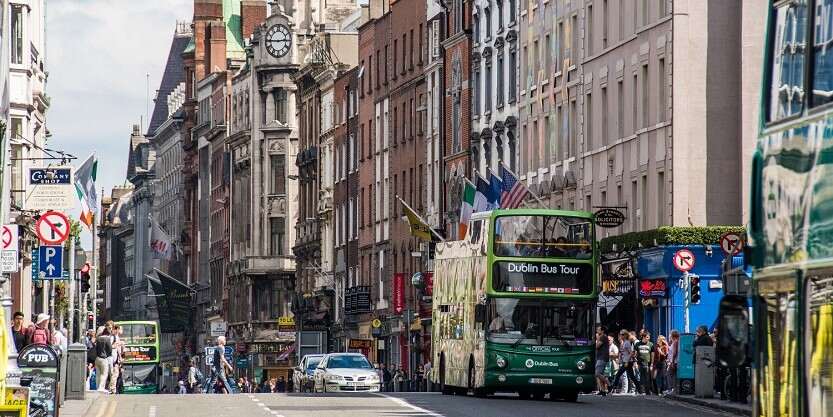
(386, 377)
(627, 357)
(39, 333)
(660, 364)
(182, 389)
(103, 352)
(281, 384)
(219, 367)
(613, 362)
(602, 358)
(116, 358)
(673, 361)
(645, 361)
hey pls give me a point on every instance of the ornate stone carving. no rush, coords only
(277, 206)
(277, 146)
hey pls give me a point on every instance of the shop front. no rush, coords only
(272, 359)
(679, 287)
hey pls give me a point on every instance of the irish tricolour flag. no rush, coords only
(85, 188)
(466, 208)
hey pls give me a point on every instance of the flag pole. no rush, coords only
(535, 196)
(420, 218)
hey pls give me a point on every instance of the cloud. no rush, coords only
(98, 55)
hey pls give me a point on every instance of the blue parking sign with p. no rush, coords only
(51, 262)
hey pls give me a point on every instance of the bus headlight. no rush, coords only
(500, 361)
(580, 364)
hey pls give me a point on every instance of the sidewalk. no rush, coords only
(79, 408)
(714, 403)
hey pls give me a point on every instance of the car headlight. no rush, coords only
(580, 364)
(500, 361)
(373, 377)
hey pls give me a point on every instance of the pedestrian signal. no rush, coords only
(694, 289)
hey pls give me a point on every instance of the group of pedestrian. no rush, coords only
(105, 351)
(42, 331)
(635, 362)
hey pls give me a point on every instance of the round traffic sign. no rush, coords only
(684, 260)
(731, 243)
(52, 228)
(8, 237)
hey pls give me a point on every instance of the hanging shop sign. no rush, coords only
(50, 189)
(398, 292)
(609, 217)
(652, 288)
(617, 278)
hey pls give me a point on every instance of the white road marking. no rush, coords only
(404, 403)
(152, 411)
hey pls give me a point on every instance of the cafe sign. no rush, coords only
(609, 217)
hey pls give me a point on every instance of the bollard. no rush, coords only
(704, 372)
(76, 371)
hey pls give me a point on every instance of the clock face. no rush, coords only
(278, 40)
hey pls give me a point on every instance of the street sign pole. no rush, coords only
(71, 295)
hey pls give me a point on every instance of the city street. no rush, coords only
(387, 405)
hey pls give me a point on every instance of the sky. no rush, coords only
(98, 55)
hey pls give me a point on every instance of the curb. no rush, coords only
(728, 407)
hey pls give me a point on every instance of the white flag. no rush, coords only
(160, 242)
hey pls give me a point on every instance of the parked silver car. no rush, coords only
(303, 373)
(345, 372)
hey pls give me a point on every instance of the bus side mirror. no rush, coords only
(480, 313)
(733, 332)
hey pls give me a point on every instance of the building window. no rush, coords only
(500, 93)
(589, 30)
(277, 166)
(487, 15)
(487, 90)
(588, 125)
(635, 106)
(476, 92)
(512, 5)
(277, 233)
(513, 76)
(499, 14)
(280, 105)
(476, 28)
(620, 108)
(788, 61)
(558, 48)
(17, 34)
(605, 23)
(645, 97)
(574, 42)
(604, 120)
(661, 91)
(456, 145)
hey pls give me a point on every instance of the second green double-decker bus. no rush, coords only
(514, 305)
(140, 358)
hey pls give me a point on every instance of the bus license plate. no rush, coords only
(540, 381)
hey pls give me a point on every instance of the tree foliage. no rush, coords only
(668, 235)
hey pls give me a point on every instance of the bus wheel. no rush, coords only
(571, 397)
(477, 392)
(443, 388)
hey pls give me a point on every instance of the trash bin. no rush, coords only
(704, 372)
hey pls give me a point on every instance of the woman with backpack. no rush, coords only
(40, 335)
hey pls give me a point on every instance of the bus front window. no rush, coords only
(543, 236)
(539, 322)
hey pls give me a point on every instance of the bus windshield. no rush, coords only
(539, 322)
(138, 333)
(543, 236)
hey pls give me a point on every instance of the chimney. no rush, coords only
(252, 14)
(208, 10)
(216, 58)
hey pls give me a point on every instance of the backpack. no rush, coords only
(91, 354)
(40, 336)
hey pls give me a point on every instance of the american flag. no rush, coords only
(514, 191)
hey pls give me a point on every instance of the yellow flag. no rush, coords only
(419, 228)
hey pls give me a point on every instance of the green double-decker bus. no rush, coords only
(790, 345)
(140, 359)
(514, 305)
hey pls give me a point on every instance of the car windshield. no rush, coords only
(534, 321)
(313, 362)
(543, 236)
(348, 361)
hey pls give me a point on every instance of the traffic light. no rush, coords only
(90, 324)
(85, 277)
(694, 289)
